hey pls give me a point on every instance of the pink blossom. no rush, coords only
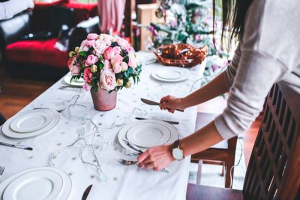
(123, 43)
(107, 64)
(109, 53)
(117, 50)
(107, 39)
(130, 50)
(99, 47)
(124, 66)
(83, 46)
(92, 36)
(87, 75)
(173, 23)
(117, 59)
(132, 61)
(91, 59)
(117, 68)
(108, 80)
(74, 66)
(86, 87)
(89, 43)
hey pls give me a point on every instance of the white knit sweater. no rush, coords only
(269, 53)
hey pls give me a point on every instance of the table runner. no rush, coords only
(124, 182)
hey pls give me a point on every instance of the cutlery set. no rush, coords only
(153, 103)
(16, 146)
(1, 171)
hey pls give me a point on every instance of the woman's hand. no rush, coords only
(156, 158)
(171, 103)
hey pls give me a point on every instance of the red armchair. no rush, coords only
(40, 58)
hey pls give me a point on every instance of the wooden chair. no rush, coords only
(274, 166)
(222, 153)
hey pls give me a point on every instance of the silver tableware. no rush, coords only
(153, 103)
(58, 110)
(134, 147)
(16, 146)
(1, 171)
(86, 192)
(170, 122)
(126, 162)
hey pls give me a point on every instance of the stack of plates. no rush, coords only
(79, 82)
(147, 133)
(171, 74)
(30, 123)
(39, 183)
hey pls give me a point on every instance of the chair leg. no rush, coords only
(229, 164)
(223, 168)
(200, 163)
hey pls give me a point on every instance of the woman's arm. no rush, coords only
(12, 7)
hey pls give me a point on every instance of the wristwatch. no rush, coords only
(177, 152)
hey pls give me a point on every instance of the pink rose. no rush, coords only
(132, 61)
(108, 80)
(123, 43)
(107, 64)
(74, 66)
(86, 87)
(92, 36)
(117, 50)
(124, 66)
(83, 46)
(91, 59)
(117, 68)
(99, 47)
(107, 39)
(117, 59)
(89, 43)
(109, 53)
(87, 75)
(130, 50)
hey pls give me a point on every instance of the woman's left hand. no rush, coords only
(156, 158)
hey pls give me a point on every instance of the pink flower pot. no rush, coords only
(103, 100)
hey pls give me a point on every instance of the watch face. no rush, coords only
(177, 154)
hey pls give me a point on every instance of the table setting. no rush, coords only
(73, 143)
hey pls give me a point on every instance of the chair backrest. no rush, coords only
(274, 166)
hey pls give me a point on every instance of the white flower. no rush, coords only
(108, 80)
(99, 47)
(124, 66)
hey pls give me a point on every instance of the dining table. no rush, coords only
(84, 138)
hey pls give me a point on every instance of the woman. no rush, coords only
(268, 52)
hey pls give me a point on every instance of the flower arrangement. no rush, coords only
(104, 61)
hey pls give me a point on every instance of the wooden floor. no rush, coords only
(16, 93)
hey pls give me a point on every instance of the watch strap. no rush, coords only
(176, 144)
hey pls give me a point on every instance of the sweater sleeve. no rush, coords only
(255, 76)
(232, 67)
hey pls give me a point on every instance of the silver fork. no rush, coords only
(59, 110)
(130, 162)
(1, 171)
(126, 162)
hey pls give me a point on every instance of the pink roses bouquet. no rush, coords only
(104, 61)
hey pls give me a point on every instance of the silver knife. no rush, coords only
(170, 122)
(16, 146)
(86, 192)
(129, 144)
(153, 103)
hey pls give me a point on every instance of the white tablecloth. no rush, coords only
(125, 182)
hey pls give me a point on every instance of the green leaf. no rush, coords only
(101, 65)
(126, 59)
(83, 53)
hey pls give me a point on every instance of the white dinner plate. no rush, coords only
(31, 121)
(171, 73)
(148, 134)
(12, 134)
(64, 193)
(79, 82)
(39, 185)
(122, 133)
